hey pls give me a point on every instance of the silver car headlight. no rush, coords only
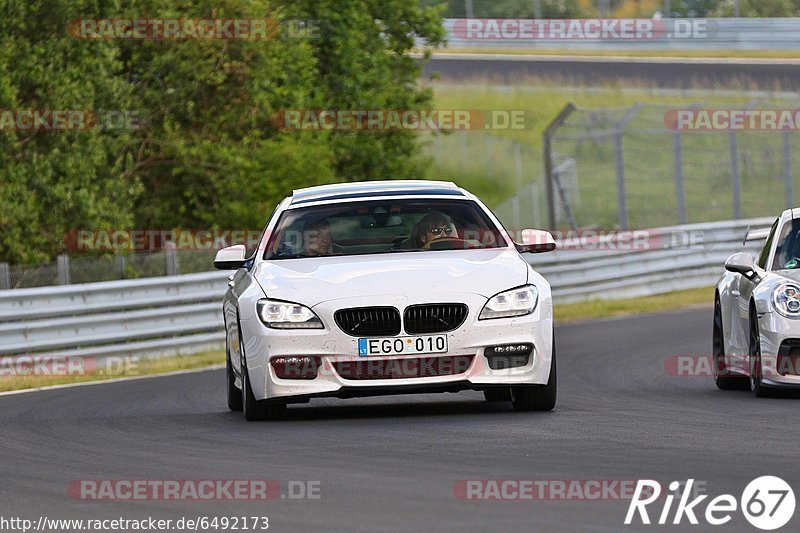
(515, 302)
(287, 315)
(786, 300)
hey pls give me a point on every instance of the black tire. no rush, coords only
(537, 397)
(756, 372)
(234, 393)
(724, 379)
(255, 410)
(497, 394)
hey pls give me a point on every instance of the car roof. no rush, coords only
(367, 189)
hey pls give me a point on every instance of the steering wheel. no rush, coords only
(444, 243)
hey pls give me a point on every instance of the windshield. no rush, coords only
(382, 227)
(787, 254)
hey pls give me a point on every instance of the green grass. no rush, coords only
(594, 309)
(141, 367)
(482, 161)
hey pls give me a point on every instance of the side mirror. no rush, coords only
(230, 258)
(536, 241)
(741, 263)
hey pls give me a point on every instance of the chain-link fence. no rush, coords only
(633, 168)
(610, 168)
(88, 269)
(505, 174)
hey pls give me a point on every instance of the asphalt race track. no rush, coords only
(676, 74)
(390, 464)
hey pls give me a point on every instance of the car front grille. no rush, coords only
(368, 321)
(416, 367)
(434, 318)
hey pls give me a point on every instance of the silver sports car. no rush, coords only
(756, 339)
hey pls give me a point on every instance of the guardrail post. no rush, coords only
(547, 139)
(622, 195)
(735, 175)
(62, 266)
(171, 258)
(787, 169)
(680, 192)
(5, 276)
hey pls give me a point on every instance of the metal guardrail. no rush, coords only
(154, 316)
(182, 314)
(577, 275)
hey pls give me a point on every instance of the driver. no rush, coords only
(317, 237)
(434, 225)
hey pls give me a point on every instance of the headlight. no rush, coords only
(516, 302)
(287, 315)
(786, 300)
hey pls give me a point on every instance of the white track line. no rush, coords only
(115, 380)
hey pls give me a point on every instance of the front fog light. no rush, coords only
(296, 367)
(516, 302)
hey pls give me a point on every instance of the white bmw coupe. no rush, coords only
(756, 338)
(389, 287)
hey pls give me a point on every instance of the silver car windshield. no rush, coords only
(372, 227)
(787, 253)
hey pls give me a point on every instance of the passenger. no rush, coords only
(317, 238)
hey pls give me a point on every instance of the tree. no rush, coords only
(758, 8)
(52, 182)
(207, 152)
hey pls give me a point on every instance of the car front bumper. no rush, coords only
(333, 346)
(779, 367)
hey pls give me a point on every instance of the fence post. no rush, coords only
(171, 257)
(787, 169)
(5, 276)
(517, 186)
(468, 9)
(62, 266)
(680, 192)
(735, 176)
(119, 260)
(548, 161)
(536, 205)
(462, 141)
(622, 196)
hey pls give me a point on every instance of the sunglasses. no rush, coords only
(438, 231)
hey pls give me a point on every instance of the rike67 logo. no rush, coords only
(767, 503)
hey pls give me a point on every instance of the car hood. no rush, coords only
(788, 275)
(313, 280)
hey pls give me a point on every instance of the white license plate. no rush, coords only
(403, 345)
